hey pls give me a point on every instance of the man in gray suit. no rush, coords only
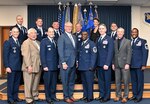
(121, 64)
(67, 48)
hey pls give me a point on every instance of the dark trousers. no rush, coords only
(50, 81)
(87, 81)
(137, 80)
(13, 82)
(68, 80)
(104, 82)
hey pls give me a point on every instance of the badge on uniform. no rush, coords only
(94, 49)
(79, 36)
(139, 43)
(105, 42)
(146, 46)
(14, 49)
(49, 47)
(87, 46)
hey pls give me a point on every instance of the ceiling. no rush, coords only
(83, 2)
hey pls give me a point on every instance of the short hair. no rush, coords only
(96, 19)
(18, 16)
(31, 29)
(38, 18)
(113, 23)
(79, 24)
(68, 23)
(136, 30)
(103, 25)
(120, 28)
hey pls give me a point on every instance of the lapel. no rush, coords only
(105, 38)
(122, 43)
(33, 44)
(13, 42)
(85, 43)
(70, 39)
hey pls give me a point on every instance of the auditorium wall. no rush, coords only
(8, 15)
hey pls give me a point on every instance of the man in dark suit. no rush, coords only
(57, 31)
(49, 60)
(67, 49)
(138, 64)
(105, 47)
(22, 30)
(79, 41)
(41, 32)
(121, 65)
(87, 59)
(113, 33)
(12, 63)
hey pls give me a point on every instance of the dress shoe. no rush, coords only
(31, 102)
(98, 98)
(117, 99)
(49, 101)
(11, 102)
(138, 100)
(68, 101)
(104, 100)
(133, 98)
(18, 100)
(88, 100)
(124, 100)
(39, 100)
(73, 99)
(55, 99)
(84, 98)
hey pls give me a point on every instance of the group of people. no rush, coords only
(38, 50)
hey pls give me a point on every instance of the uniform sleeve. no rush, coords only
(6, 52)
(145, 51)
(61, 49)
(129, 52)
(110, 52)
(93, 55)
(43, 54)
(25, 50)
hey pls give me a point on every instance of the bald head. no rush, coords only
(120, 32)
(68, 27)
(19, 19)
(15, 32)
(32, 34)
(50, 32)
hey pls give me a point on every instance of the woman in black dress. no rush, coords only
(95, 33)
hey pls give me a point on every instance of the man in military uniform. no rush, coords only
(105, 47)
(87, 59)
(49, 60)
(138, 64)
(12, 63)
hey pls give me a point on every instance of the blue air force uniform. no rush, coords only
(105, 47)
(41, 33)
(139, 59)
(12, 60)
(87, 59)
(49, 58)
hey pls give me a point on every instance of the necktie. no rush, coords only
(53, 42)
(17, 42)
(112, 34)
(100, 39)
(22, 29)
(41, 31)
(133, 42)
(72, 40)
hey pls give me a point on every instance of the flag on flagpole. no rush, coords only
(63, 18)
(67, 17)
(75, 17)
(90, 23)
(80, 16)
(95, 12)
(60, 16)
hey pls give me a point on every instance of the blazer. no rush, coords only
(12, 55)
(123, 55)
(31, 55)
(67, 52)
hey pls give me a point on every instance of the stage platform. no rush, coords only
(78, 92)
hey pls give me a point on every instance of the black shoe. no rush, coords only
(138, 100)
(104, 100)
(11, 102)
(98, 98)
(55, 99)
(84, 98)
(88, 100)
(18, 100)
(39, 100)
(49, 101)
(133, 98)
(31, 102)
